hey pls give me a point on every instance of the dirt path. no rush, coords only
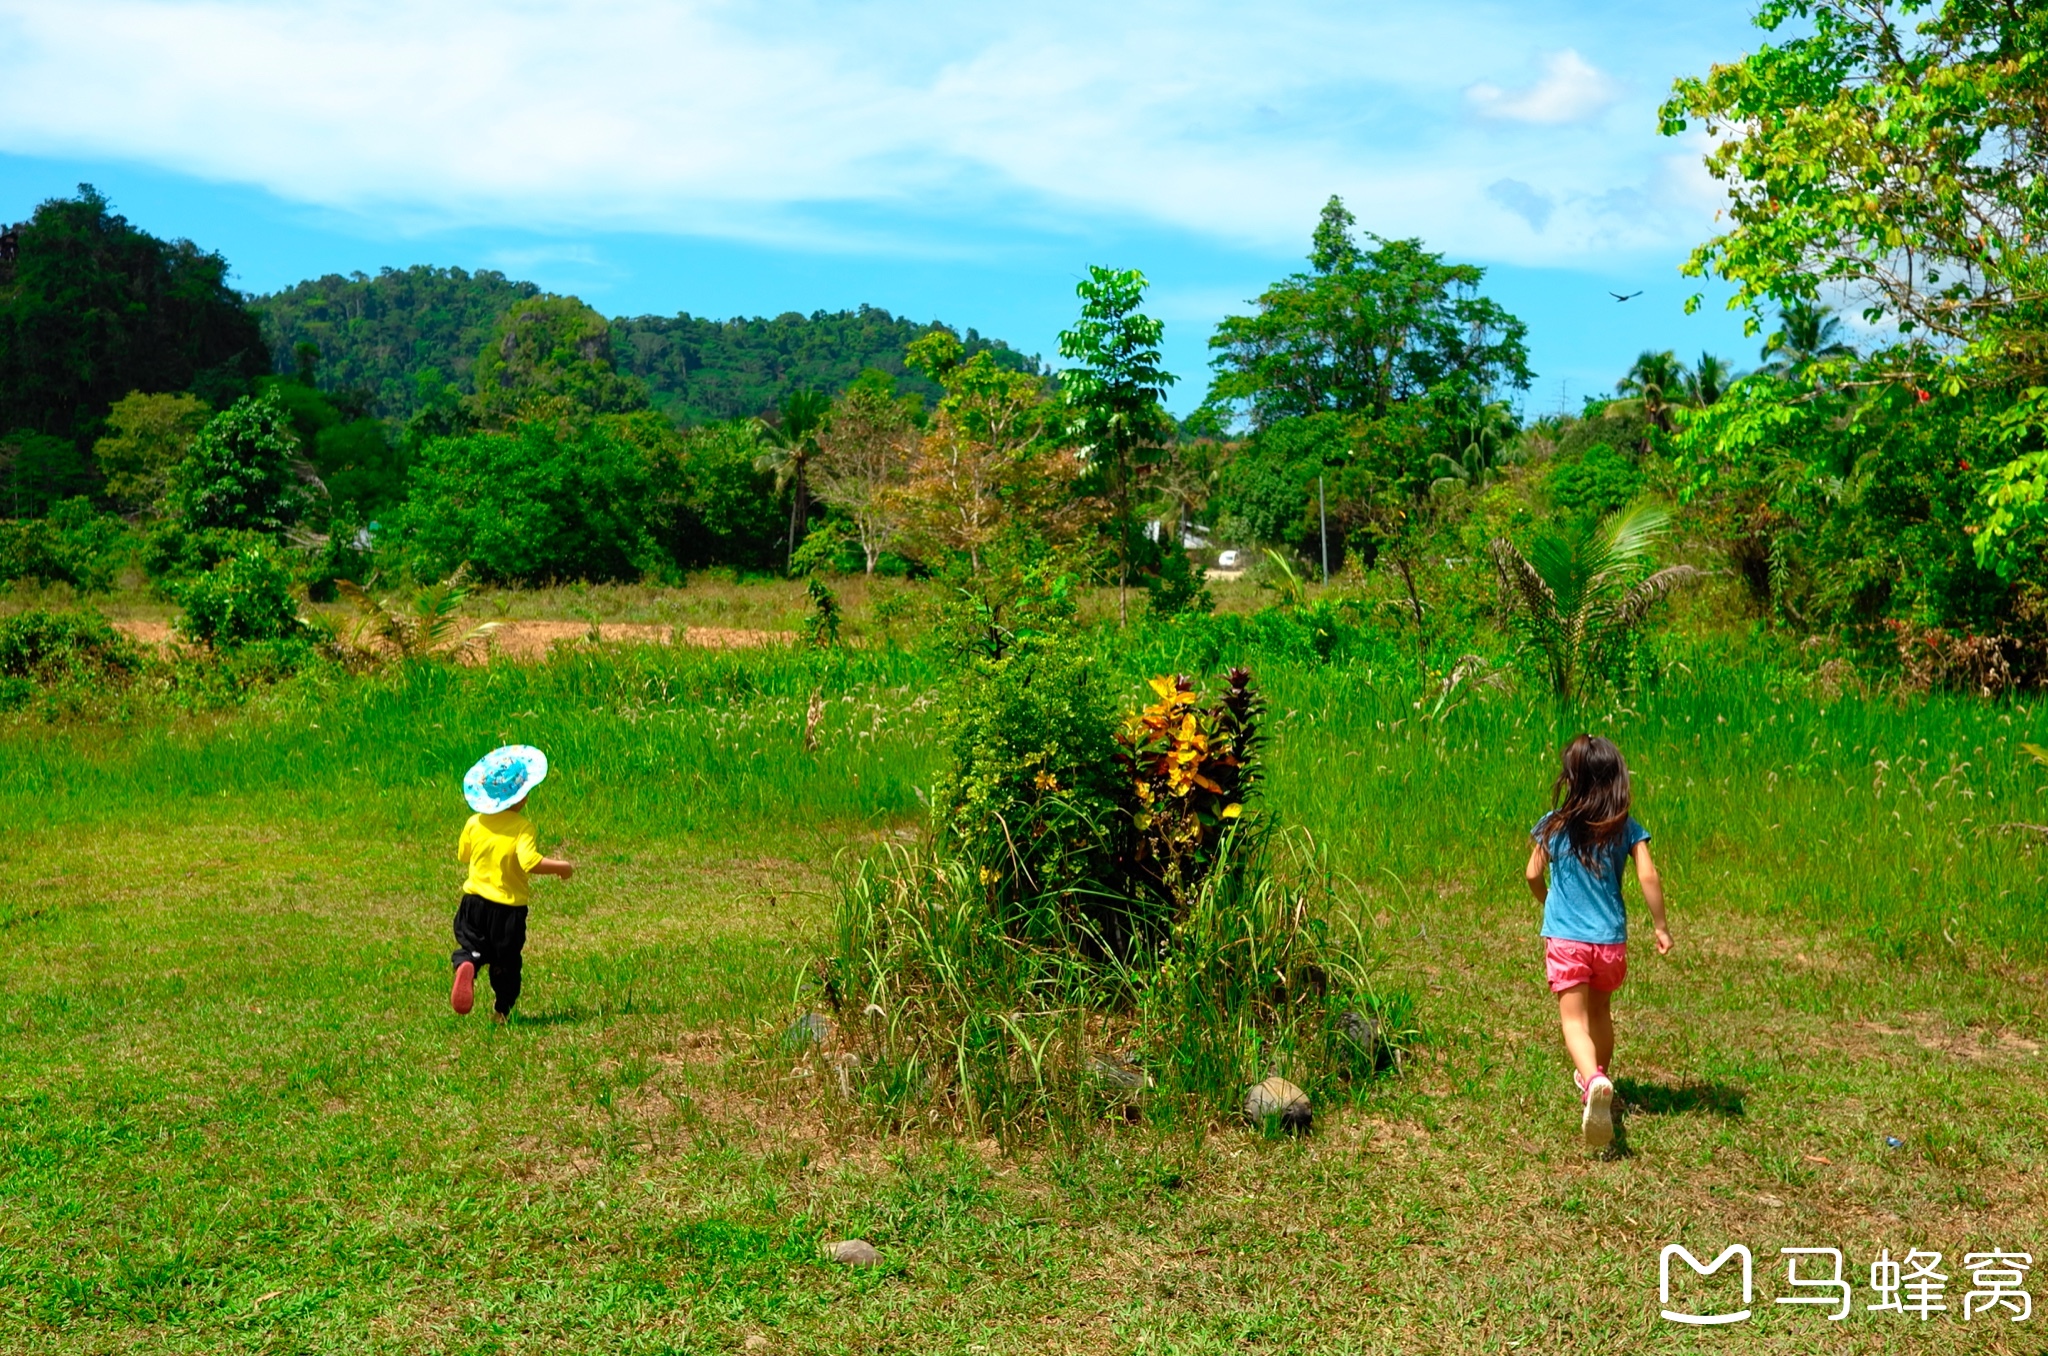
(529, 641)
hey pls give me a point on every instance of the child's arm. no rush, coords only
(551, 866)
(1653, 894)
(1533, 873)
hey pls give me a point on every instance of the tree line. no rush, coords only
(1877, 472)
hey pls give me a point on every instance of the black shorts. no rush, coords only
(491, 936)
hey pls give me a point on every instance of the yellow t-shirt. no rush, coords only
(500, 850)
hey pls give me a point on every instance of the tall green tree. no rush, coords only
(791, 444)
(92, 308)
(1364, 330)
(147, 436)
(1891, 155)
(1114, 393)
(544, 500)
(1892, 151)
(240, 475)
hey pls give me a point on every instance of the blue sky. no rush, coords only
(963, 162)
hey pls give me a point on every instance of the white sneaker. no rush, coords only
(1596, 1123)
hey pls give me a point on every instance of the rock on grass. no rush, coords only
(853, 1252)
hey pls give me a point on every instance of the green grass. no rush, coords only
(236, 1115)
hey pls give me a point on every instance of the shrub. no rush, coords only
(74, 545)
(1190, 769)
(50, 648)
(1597, 483)
(1030, 793)
(1097, 924)
(245, 598)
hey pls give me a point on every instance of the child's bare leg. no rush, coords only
(1574, 1011)
(1600, 1020)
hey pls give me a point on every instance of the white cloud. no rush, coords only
(1571, 90)
(1524, 201)
(862, 125)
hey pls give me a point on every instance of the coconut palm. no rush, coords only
(1806, 334)
(791, 445)
(1583, 590)
(1655, 379)
(1709, 377)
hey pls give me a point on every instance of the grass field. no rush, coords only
(236, 1114)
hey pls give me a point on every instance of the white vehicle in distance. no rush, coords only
(1229, 560)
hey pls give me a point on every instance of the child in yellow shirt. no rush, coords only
(499, 848)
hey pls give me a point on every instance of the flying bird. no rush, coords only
(1619, 297)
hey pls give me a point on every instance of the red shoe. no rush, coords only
(463, 996)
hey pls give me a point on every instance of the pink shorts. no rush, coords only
(1604, 965)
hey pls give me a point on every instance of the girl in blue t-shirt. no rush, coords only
(1584, 843)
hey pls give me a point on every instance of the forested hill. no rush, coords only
(379, 334)
(698, 369)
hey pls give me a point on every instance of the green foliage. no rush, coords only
(1113, 393)
(74, 545)
(2014, 535)
(1596, 483)
(1583, 591)
(726, 511)
(790, 445)
(240, 474)
(37, 471)
(359, 464)
(543, 500)
(551, 348)
(380, 334)
(53, 648)
(1031, 793)
(147, 437)
(426, 625)
(91, 308)
(1177, 585)
(1365, 330)
(821, 627)
(172, 552)
(1848, 506)
(1266, 493)
(246, 598)
(1073, 946)
(1894, 153)
(1482, 447)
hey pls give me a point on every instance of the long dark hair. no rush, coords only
(1590, 799)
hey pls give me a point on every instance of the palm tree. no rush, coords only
(1709, 377)
(791, 445)
(1583, 590)
(1483, 448)
(1654, 379)
(1806, 334)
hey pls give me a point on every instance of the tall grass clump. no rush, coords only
(1098, 923)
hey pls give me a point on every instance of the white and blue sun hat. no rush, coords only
(502, 777)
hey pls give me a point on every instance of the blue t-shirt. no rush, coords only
(1584, 904)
